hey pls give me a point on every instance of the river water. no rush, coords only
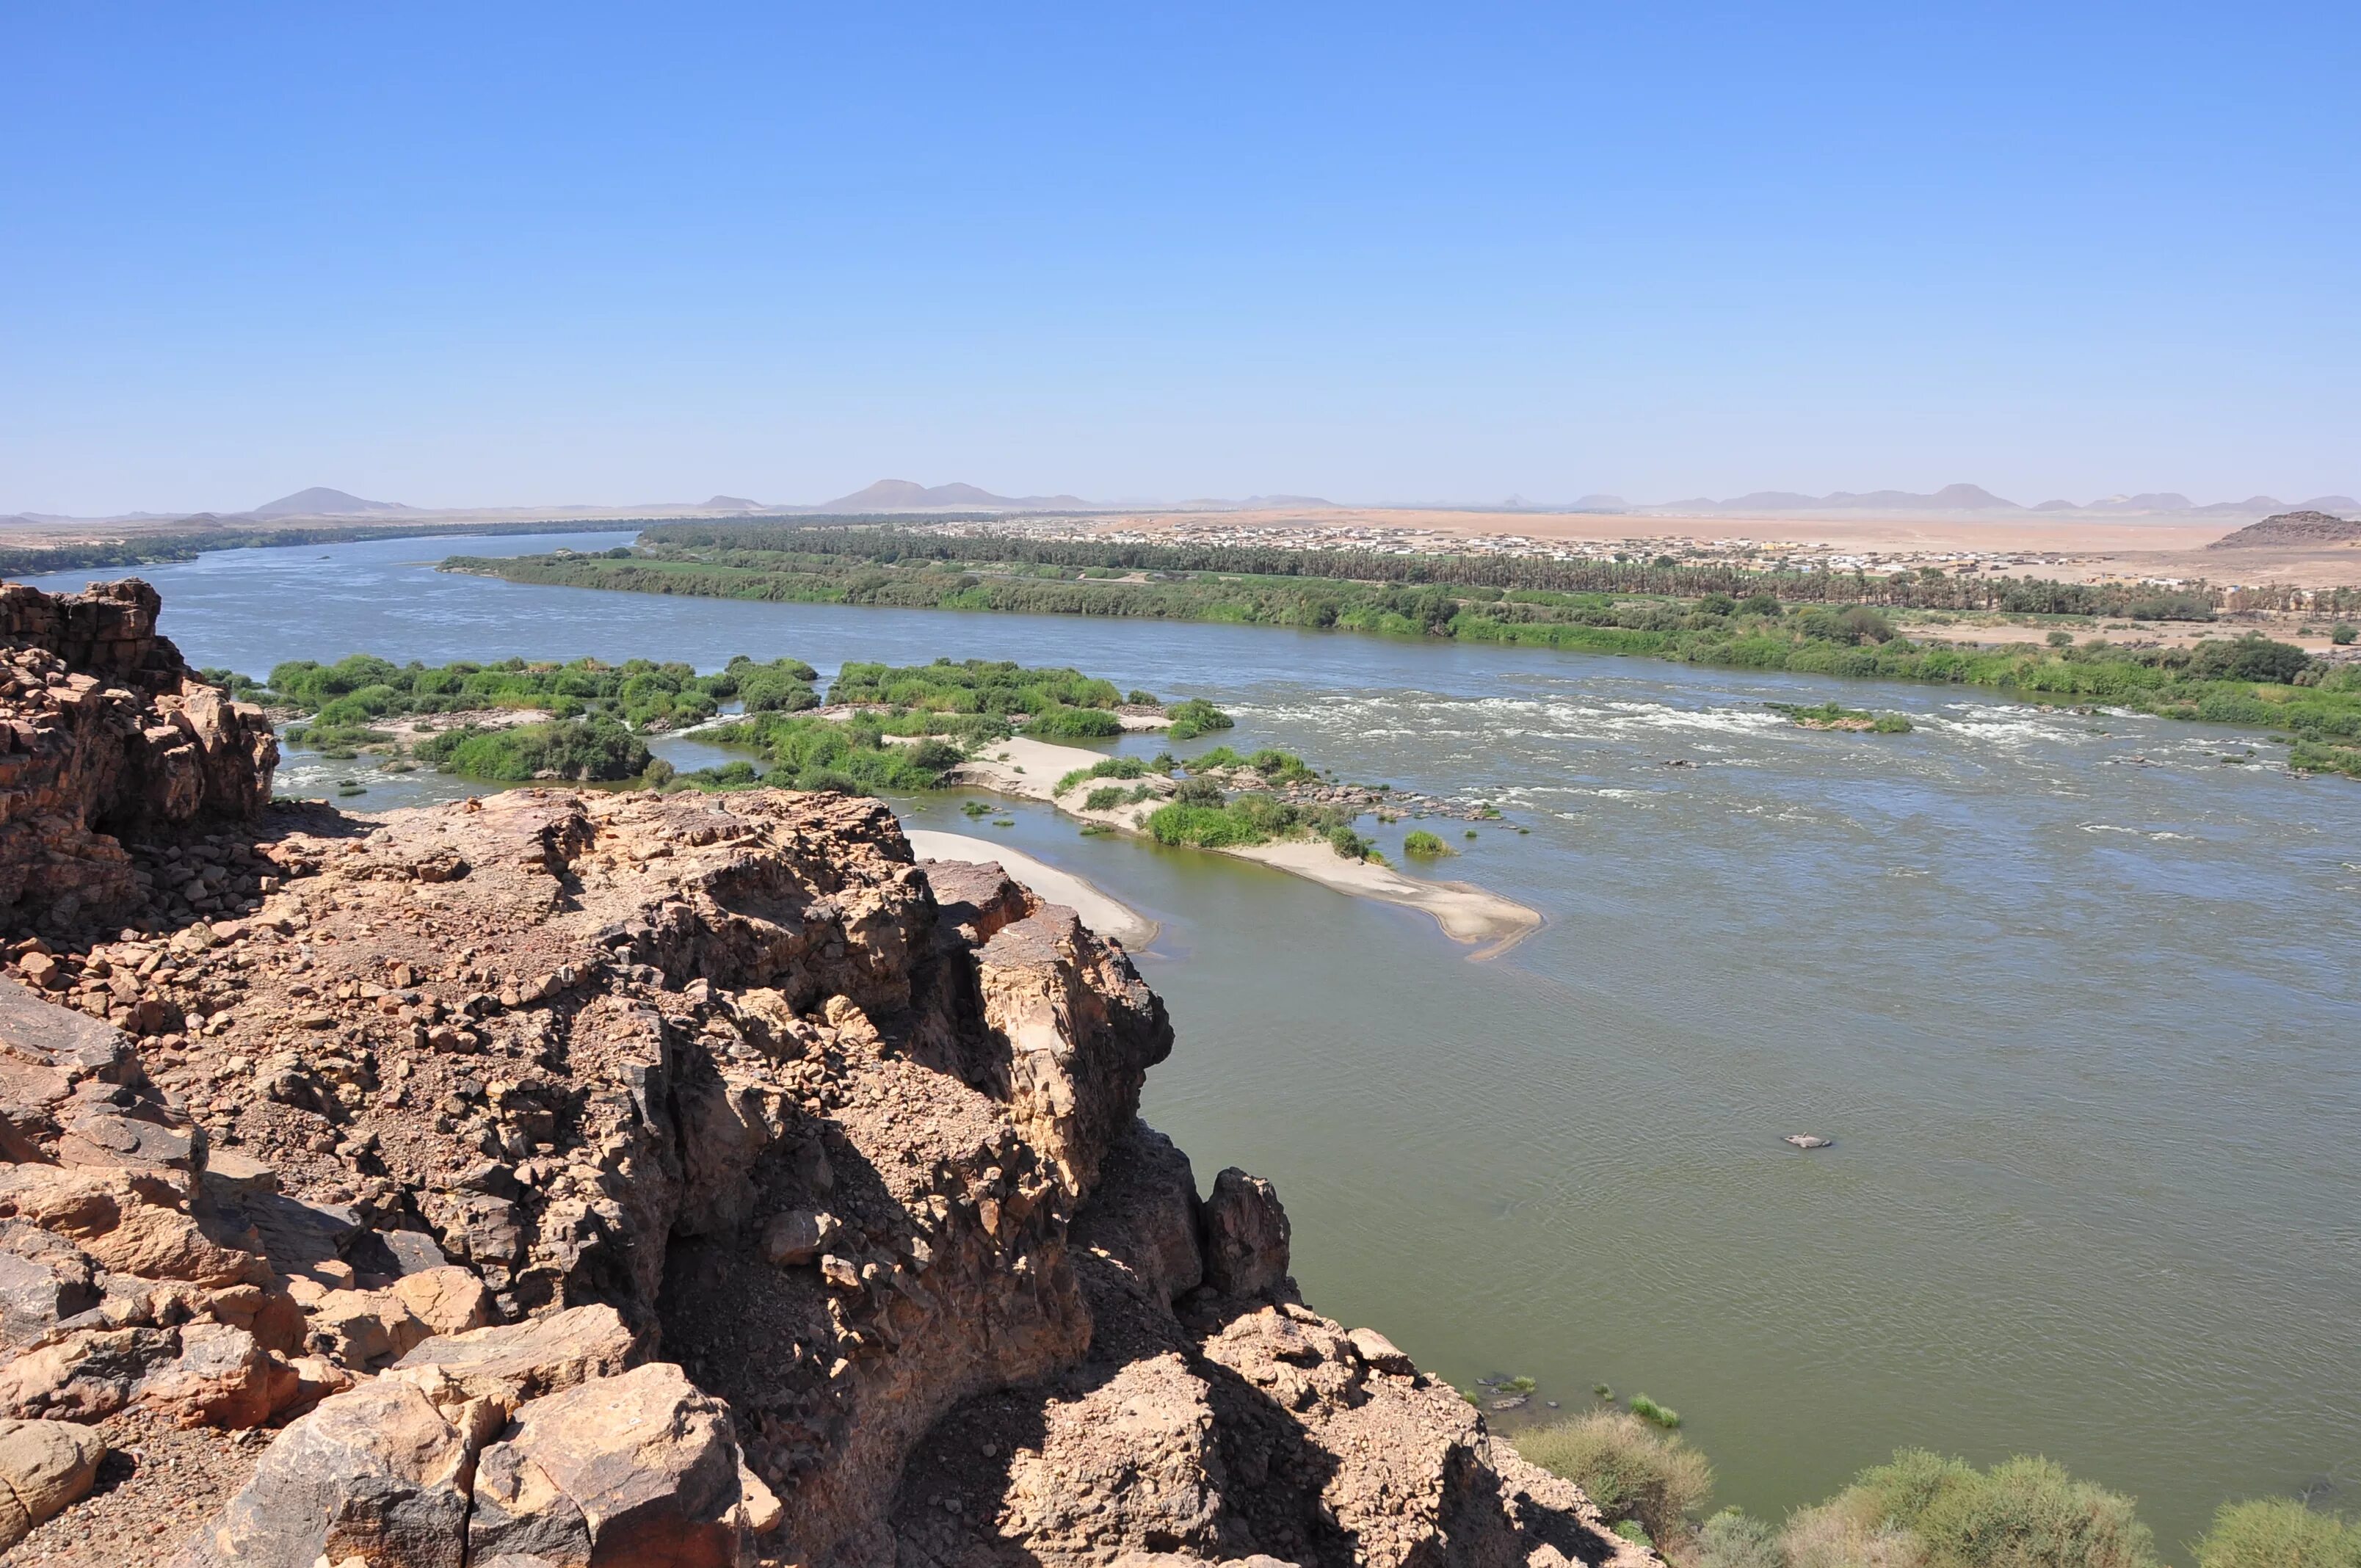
(2075, 995)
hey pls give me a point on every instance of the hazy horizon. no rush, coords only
(2127, 503)
(479, 259)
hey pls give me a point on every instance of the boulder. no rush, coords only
(448, 1299)
(1381, 1354)
(84, 1376)
(1246, 1235)
(44, 1279)
(128, 1221)
(639, 1471)
(535, 1358)
(797, 1237)
(1144, 1212)
(222, 1377)
(45, 1467)
(382, 1474)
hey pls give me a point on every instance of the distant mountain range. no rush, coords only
(905, 496)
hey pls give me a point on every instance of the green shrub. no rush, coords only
(1830, 1536)
(586, 750)
(809, 752)
(1195, 717)
(2279, 1532)
(1733, 1539)
(1424, 845)
(1891, 724)
(1106, 768)
(1198, 791)
(973, 685)
(1105, 798)
(2023, 1512)
(638, 691)
(2343, 634)
(1138, 698)
(1076, 724)
(727, 776)
(1647, 1410)
(2253, 657)
(1628, 1468)
(1206, 827)
(1349, 844)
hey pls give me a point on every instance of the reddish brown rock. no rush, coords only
(44, 1467)
(640, 1469)
(105, 732)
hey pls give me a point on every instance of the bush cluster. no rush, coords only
(638, 691)
(582, 750)
(976, 685)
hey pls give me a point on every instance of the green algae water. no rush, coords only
(2075, 995)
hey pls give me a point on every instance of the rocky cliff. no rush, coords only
(635, 1179)
(106, 734)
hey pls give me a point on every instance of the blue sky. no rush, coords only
(489, 255)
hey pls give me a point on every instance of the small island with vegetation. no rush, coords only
(1835, 716)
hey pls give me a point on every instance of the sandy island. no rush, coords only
(1030, 770)
(1100, 912)
(1465, 913)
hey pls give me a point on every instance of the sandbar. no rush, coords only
(1028, 769)
(1465, 913)
(1031, 769)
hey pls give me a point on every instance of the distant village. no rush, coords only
(1744, 553)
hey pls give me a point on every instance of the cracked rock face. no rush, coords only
(106, 733)
(624, 1178)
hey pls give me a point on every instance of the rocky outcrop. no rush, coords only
(636, 1180)
(2291, 528)
(105, 734)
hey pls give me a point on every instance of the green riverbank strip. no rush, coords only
(1769, 626)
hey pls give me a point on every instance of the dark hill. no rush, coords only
(2291, 528)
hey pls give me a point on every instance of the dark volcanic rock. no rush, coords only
(2291, 528)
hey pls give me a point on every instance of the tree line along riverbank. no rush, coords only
(1770, 621)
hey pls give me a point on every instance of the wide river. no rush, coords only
(2077, 997)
